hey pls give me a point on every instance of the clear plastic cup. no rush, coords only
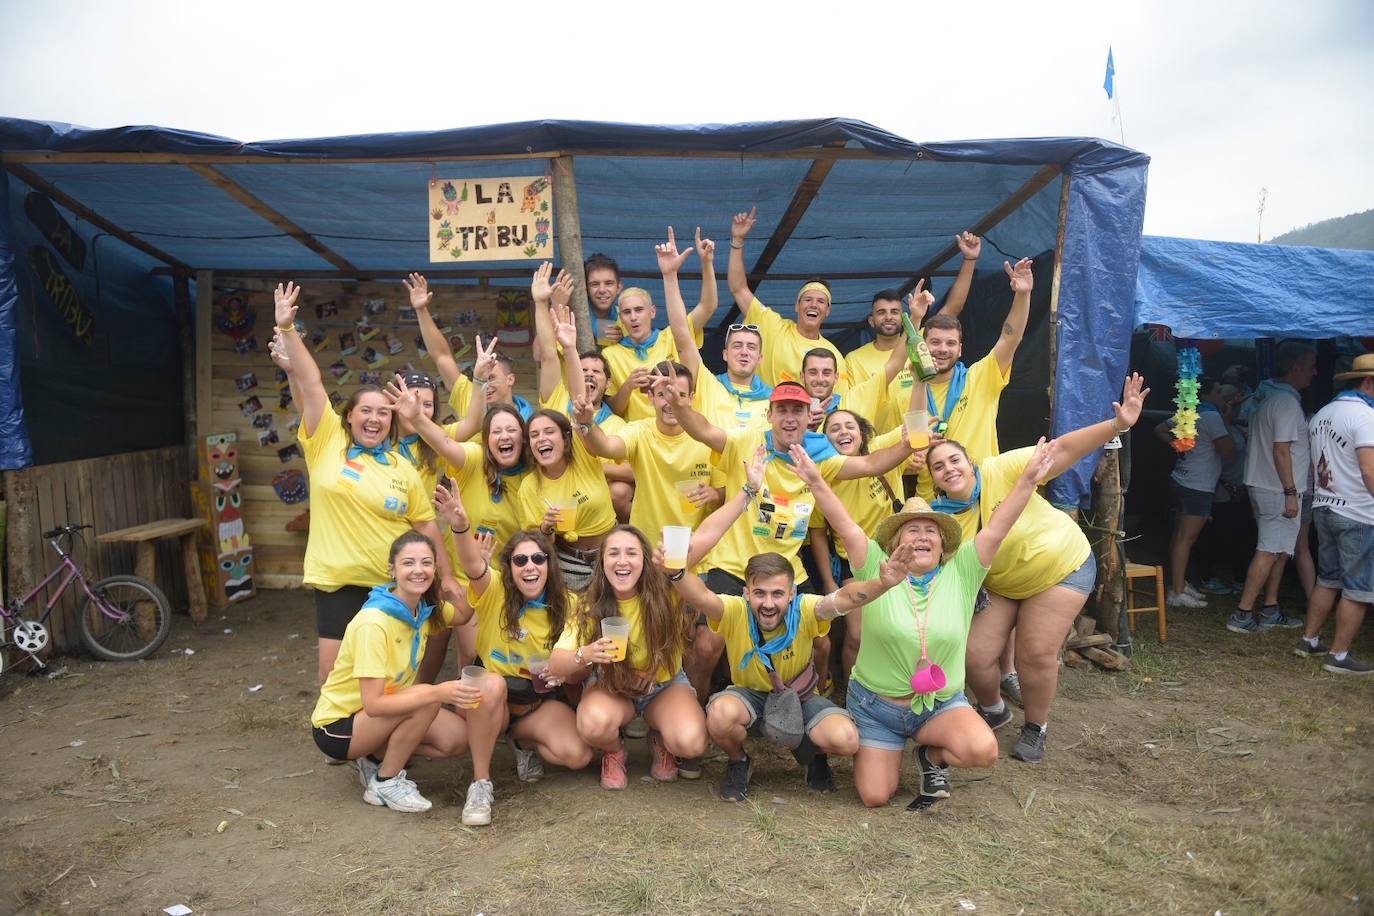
(917, 428)
(676, 540)
(538, 665)
(617, 630)
(685, 489)
(567, 514)
(473, 675)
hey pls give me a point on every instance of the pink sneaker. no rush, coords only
(664, 766)
(613, 770)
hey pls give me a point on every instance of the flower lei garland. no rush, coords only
(1185, 399)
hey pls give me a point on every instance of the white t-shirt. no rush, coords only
(1199, 468)
(1278, 419)
(1338, 430)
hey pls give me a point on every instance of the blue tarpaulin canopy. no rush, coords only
(837, 198)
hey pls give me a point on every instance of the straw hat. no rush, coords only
(1362, 367)
(950, 532)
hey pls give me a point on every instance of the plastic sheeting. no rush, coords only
(15, 451)
(1215, 290)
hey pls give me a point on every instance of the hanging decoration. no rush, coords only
(1185, 398)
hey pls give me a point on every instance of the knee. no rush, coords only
(707, 646)
(836, 735)
(493, 690)
(874, 795)
(572, 752)
(691, 740)
(596, 724)
(721, 719)
(981, 751)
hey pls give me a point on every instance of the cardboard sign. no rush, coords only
(490, 219)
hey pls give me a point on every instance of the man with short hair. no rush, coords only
(868, 399)
(603, 289)
(1342, 435)
(1277, 465)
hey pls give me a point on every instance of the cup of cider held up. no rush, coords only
(917, 428)
(567, 514)
(676, 541)
(617, 630)
(685, 489)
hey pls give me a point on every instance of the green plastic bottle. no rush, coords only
(919, 353)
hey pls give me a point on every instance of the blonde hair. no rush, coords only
(635, 291)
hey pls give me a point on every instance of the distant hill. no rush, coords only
(1353, 231)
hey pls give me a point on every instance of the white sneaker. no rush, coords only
(367, 772)
(529, 767)
(1183, 599)
(1188, 589)
(399, 794)
(477, 810)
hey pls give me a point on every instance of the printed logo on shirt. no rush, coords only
(395, 504)
(352, 470)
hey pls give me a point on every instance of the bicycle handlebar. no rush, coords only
(65, 529)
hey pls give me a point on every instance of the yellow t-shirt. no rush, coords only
(623, 360)
(662, 463)
(1044, 545)
(733, 627)
(498, 515)
(866, 361)
(973, 422)
(784, 347)
(357, 508)
(460, 398)
(558, 400)
(500, 652)
(866, 499)
(583, 482)
(725, 410)
(375, 644)
(868, 399)
(637, 654)
(778, 520)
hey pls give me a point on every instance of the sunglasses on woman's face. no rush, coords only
(520, 559)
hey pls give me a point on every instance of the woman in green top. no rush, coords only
(908, 681)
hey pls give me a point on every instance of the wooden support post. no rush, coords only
(186, 337)
(1111, 581)
(569, 226)
(1054, 290)
(145, 567)
(205, 299)
(22, 531)
(195, 586)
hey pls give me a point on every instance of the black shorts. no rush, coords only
(334, 738)
(333, 610)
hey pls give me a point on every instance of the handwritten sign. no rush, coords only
(490, 219)
(62, 294)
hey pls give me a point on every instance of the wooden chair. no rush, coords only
(1138, 571)
(144, 536)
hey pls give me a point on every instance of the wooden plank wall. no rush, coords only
(110, 493)
(468, 310)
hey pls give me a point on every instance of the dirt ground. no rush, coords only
(1220, 774)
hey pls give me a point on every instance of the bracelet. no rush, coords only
(583, 428)
(677, 577)
(464, 531)
(289, 327)
(739, 247)
(1115, 430)
(970, 259)
(750, 494)
(577, 656)
(1290, 491)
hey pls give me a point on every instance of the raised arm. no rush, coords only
(470, 423)
(713, 528)
(449, 507)
(860, 592)
(694, 592)
(565, 332)
(435, 343)
(1071, 447)
(919, 302)
(1014, 328)
(874, 464)
(621, 399)
(836, 514)
(302, 373)
(710, 296)
(545, 350)
(669, 263)
(1037, 470)
(593, 436)
(696, 425)
(735, 274)
(406, 405)
(970, 246)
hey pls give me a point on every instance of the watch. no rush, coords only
(583, 427)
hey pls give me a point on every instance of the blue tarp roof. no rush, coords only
(887, 207)
(1214, 290)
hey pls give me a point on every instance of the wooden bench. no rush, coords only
(144, 538)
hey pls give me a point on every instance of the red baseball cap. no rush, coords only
(789, 391)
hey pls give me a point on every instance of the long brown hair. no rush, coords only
(496, 483)
(564, 425)
(667, 627)
(555, 592)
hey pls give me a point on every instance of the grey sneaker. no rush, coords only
(1348, 665)
(637, 728)
(399, 794)
(1030, 747)
(367, 772)
(996, 720)
(1307, 650)
(1278, 619)
(1242, 623)
(1011, 688)
(689, 767)
(477, 810)
(529, 766)
(735, 788)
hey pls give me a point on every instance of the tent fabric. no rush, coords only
(15, 450)
(1215, 290)
(884, 217)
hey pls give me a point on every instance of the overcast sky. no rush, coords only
(1225, 98)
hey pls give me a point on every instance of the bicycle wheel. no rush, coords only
(128, 620)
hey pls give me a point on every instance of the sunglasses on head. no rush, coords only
(418, 380)
(744, 327)
(520, 559)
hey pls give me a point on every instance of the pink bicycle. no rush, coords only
(123, 617)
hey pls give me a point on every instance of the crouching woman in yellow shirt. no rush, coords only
(370, 704)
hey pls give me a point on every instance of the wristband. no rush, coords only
(1290, 491)
(750, 493)
(1115, 430)
(739, 247)
(464, 531)
(834, 605)
(583, 428)
(677, 577)
(289, 327)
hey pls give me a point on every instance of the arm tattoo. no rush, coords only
(1007, 330)
(862, 596)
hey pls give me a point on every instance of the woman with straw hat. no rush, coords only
(908, 681)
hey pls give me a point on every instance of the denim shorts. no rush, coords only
(814, 709)
(642, 703)
(1345, 555)
(1191, 502)
(1083, 578)
(888, 726)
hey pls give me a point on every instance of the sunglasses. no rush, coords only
(419, 380)
(743, 327)
(520, 559)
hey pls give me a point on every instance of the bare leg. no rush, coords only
(1043, 622)
(677, 716)
(485, 724)
(1256, 576)
(399, 736)
(600, 717)
(702, 657)
(1319, 605)
(986, 639)
(1186, 530)
(436, 651)
(836, 735)
(958, 737)
(1349, 616)
(552, 731)
(447, 737)
(1302, 558)
(1271, 584)
(1006, 664)
(877, 773)
(727, 721)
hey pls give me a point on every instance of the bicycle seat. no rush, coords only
(65, 529)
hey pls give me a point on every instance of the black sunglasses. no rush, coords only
(520, 559)
(419, 380)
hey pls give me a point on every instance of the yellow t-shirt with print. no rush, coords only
(868, 399)
(460, 398)
(973, 421)
(725, 410)
(358, 506)
(623, 360)
(558, 400)
(637, 654)
(375, 644)
(498, 515)
(1044, 545)
(784, 347)
(583, 482)
(501, 652)
(866, 499)
(778, 520)
(733, 627)
(867, 361)
(663, 463)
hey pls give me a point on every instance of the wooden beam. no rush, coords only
(1054, 290)
(508, 273)
(250, 200)
(205, 302)
(186, 338)
(41, 184)
(568, 223)
(1033, 186)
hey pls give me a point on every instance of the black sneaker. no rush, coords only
(1348, 665)
(689, 767)
(923, 803)
(1307, 650)
(934, 777)
(736, 785)
(818, 775)
(996, 720)
(1030, 747)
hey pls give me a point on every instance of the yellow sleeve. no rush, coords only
(767, 320)
(490, 600)
(329, 436)
(1001, 471)
(370, 651)
(987, 379)
(557, 399)
(461, 396)
(731, 617)
(866, 398)
(830, 468)
(571, 637)
(809, 620)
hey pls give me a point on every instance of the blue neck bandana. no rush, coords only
(922, 583)
(500, 492)
(405, 444)
(383, 599)
(951, 506)
(757, 390)
(602, 412)
(816, 445)
(1352, 395)
(957, 381)
(641, 349)
(523, 407)
(791, 620)
(377, 451)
